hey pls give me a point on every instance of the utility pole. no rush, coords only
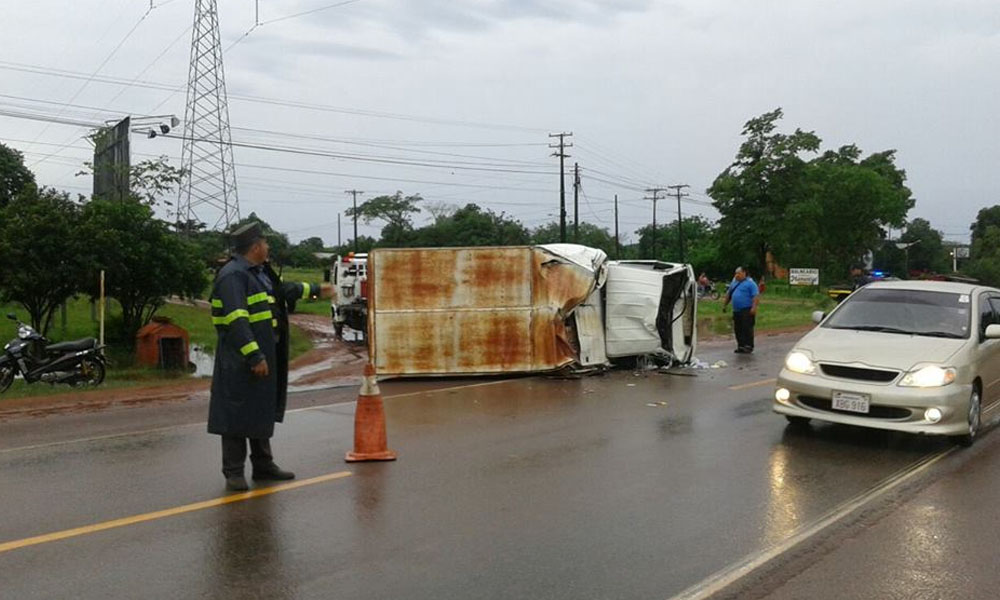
(656, 196)
(339, 242)
(680, 231)
(618, 248)
(355, 193)
(561, 153)
(576, 203)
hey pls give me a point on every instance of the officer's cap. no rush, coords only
(245, 236)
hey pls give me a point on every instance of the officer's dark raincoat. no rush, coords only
(250, 307)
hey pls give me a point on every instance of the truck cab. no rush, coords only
(349, 304)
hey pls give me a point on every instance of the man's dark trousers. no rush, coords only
(234, 454)
(743, 322)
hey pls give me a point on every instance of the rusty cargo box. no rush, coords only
(488, 310)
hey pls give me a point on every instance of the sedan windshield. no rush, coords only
(912, 312)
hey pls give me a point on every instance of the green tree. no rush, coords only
(143, 260)
(754, 192)
(844, 208)
(701, 244)
(827, 212)
(984, 256)
(471, 226)
(281, 248)
(986, 218)
(14, 176)
(365, 244)
(927, 253)
(395, 210)
(590, 235)
(303, 254)
(42, 245)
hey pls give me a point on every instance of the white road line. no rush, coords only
(722, 579)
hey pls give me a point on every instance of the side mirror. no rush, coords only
(12, 316)
(818, 316)
(992, 332)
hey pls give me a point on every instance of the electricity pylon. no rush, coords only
(208, 189)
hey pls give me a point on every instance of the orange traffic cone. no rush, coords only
(369, 423)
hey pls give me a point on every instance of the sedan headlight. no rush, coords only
(798, 362)
(929, 376)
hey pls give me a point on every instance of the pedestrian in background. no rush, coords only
(250, 306)
(744, 295)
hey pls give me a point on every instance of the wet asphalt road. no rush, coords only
(529, 488)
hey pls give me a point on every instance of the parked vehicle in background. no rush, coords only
(30, 355)
(911, 356)
(708, 291)
(839, 291)
(349, 304)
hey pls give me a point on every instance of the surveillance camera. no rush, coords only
(164, 129)
(151, 134)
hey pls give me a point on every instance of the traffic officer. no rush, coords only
(250, 306)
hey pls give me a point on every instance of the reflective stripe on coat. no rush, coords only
(251, 323)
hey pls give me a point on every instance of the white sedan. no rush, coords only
(912, 356)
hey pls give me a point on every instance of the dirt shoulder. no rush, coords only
(331, 362)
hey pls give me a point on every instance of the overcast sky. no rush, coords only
(655, 93)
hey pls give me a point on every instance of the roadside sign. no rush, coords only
(803, 276)
(961, 252)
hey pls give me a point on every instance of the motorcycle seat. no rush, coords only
(74, 346)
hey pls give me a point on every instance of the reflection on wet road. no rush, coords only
(625, 486)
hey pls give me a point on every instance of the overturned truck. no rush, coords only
(483, 311)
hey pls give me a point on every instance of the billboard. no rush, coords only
(111, 161)
(803, 276)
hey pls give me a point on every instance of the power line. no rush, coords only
(53, 72)
(370, 158)
(375, 143)
(101, 66)
(309, 12)
(357, 176)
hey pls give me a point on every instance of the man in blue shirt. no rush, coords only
(744, 295)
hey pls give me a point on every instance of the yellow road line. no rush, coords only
(745, 386)
(170, 512)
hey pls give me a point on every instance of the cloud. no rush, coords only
(335, 50)
(417, 20)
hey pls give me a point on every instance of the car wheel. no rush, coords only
(975, 415)
(798, 421)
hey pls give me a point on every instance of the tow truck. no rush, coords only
(349, 304)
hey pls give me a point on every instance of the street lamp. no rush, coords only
(155, 125)
(905, 247)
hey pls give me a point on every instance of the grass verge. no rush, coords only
(81, 322)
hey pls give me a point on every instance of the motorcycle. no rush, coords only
(708, 292)
(30, 354)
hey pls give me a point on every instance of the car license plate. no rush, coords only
(850, 402)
